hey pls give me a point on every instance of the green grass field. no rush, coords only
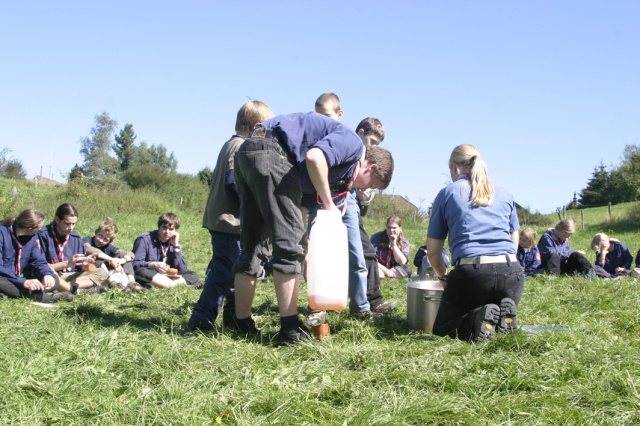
(118, 358)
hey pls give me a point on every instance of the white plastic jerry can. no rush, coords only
(328, 263)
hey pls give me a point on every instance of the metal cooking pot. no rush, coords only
(423, 301)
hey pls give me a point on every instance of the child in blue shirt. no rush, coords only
(613, 258)
(528, 253)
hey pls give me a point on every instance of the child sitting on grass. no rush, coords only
(63, 248)
(392, 250)
(528, 253)
(117, 262)
(156, 252)
(613, 258)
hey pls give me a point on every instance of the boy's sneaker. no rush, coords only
(362, 315)
(385, 307)
(316, 318)
(63, 296)
(135, 287)
(486, 322)
(292, 336)
(507, 322)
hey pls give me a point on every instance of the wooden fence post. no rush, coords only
(559, 215)
(609, 208)
(564, 212)
(582, 218)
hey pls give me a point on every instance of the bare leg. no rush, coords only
(64, 285)
(245, 289)
(163, 281)
(286, 293)
(82, 282)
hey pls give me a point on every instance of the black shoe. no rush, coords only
(507, 322)
(486, 322)
(246, 326)
(292, 336)
(63, 296)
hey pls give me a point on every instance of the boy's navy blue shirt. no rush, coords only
(531, 260)
(299, 132)
(550, 244)
(618, 257)
(49, 242)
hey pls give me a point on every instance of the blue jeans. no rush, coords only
(357, 267)
(218, 285)
(469, 288)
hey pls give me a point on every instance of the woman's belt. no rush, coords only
(480, 260)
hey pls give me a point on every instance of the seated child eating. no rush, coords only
(156, 252)
(613, 258)
(528, 253)
(117, 262)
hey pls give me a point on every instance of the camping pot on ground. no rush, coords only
(423, 301)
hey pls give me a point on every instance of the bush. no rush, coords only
(633, 214)
(526, 218)
(384, 205)
(185, 190)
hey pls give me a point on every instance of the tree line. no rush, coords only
(618, 184)
(109, 155)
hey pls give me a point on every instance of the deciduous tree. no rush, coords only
(96, 148)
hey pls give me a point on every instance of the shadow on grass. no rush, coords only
(87, 312)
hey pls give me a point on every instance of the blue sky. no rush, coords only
(545, 89)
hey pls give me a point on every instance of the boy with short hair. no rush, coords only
(117, 262)
(158, 251)
(328, 104)
(222, 219)
(285, 157)
(371, 132)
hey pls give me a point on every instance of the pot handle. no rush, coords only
(429, 298)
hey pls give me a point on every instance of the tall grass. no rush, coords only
(118, 358)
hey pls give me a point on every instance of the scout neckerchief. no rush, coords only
(60, 247)
(19, 256)
(164, 251)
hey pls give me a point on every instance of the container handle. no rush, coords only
(429, 298)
